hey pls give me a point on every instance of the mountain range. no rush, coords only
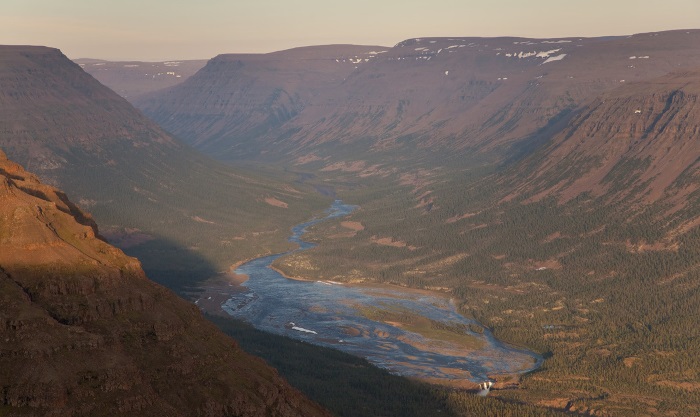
(426, 93)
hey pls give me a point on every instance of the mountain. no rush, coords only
(250, 95)
(639, 141)
(452, 94)
(84, 332)
(131, 79)
(182, 214)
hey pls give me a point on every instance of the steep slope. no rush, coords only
(640, 141)
(131, 79)
(436, 93)
(157, 198)
(249, 95)
(83, 332)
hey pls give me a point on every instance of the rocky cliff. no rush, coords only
(84, 333)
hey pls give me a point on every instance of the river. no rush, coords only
(410, 333)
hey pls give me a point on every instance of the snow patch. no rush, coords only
(447, 73)
(301, 329)
(560, 41)
(547, 54)
(555, 58)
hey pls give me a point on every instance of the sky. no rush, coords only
(156, 30)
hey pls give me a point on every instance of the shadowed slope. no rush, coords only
(140, 183)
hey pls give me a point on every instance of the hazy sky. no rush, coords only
(188, 29)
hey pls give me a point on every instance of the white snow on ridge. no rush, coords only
(301, 329)
(546, 54)
(560, 41)
(555, 58)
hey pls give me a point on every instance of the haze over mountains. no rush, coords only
(130, 79)
(137, 180)
(436, 93)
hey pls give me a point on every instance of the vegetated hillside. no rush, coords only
(131, 79)
(184, 215)
(588, 250)
(640, 142)
(83, 332)
(427, 93)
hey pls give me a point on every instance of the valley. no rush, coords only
(520, 210)
(412, 334)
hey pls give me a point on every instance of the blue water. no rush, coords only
(322, 312)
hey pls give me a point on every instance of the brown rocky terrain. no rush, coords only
(437, 93)
(639, 141)
(83, 332)
(131, 79)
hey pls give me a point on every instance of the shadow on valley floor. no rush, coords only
(345, 384)
(180, 269)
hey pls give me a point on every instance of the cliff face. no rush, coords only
(83, 332)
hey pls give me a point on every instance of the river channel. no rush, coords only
(360, 321)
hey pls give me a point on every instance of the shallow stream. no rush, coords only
(340, 316)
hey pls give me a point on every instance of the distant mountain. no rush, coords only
(438, 93)
(84, 333)
(183, 214)
(131, 79)
(247, 96)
